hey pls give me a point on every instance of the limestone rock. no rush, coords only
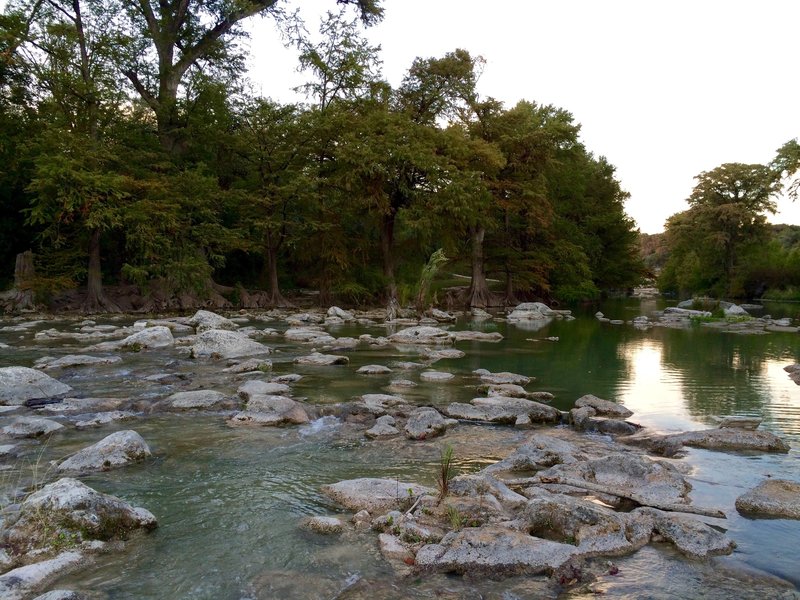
(104, 418)
(772, 498)
(374, 495)
(220, 343)
(31, 427)
(308, 335)
(151, 337)
(380, 404)
(436, 376)
(477, 336)
(75, 360)
(324, 525)
(738, 422)
(691, 536)
(204, 320)
(255, 387)
(69, 506)
(384, 428)
(530, 311)
(374, 370)
(424, 335)
(603, 407)
(318, 359)
(540, 452)
(116, 450)
(504, 377)
(22, 582)
(335, 311)
(731, 439)
(493, 551)
(196, 400)
(441, 316)
(432, 355)
(20, 384)
(425, 423)
(250, 365)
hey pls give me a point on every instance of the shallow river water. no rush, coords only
(229, 500)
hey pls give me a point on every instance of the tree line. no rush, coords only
(135, 154)
(722, 245)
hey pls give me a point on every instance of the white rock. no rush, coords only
(116, 450)
(226, 344)
(19, 384)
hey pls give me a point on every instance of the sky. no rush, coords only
(664, 90)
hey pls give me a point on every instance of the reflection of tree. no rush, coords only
(722, 373)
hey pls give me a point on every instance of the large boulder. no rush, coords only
(31, 427)
(20, 384)
(335, 311)
(204, 320)
(425, 423)
(116, 450)
(493, 551)
(75, 510)
(772, 498)
(423, 334)
(375, 495)
(219, 343)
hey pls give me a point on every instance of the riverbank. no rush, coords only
(196, 444)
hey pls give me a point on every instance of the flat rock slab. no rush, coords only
(733, 422)
(477, 336)
(250, 365)
(630, 474)
(493, 551)
(196, 400)
(75, 360)
(540, 452)
(504, 377)
(308, 335)
(255, 387)
(436, 376)
(22, 582)
(423, 335)
(731, 439)
(219, 343)
(20, 384)
(116, 450)
(374, 370)
(324, 525)
(374, 495)
(772, 498)
(691, 536)
(602, 407)
(31, 427)
(318, 359)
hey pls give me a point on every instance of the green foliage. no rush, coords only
(457, 520)
(445, 473)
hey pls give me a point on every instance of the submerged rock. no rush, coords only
(116, 450)
(436, 376)
(104, 418)
(733, 422)
(20, 384)
(219, 343)
(250, 365)
(324, 525)
(78, 511)
(375, 495)
(772, 498)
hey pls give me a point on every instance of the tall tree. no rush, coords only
(170, 38)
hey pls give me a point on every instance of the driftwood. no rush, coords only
(611, 491)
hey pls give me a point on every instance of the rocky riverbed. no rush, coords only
(548, 496)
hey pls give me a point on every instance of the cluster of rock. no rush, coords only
(736, 319)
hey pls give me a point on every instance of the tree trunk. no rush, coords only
(510, 296)
(387, 243)
(96, 300)
(275, 298)
(21, 296)
(478, 295)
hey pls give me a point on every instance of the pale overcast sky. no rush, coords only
(663, 89)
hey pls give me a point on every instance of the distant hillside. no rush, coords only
(653, 249)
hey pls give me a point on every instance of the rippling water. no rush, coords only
(229, 500)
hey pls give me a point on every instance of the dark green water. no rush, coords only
(229, 500)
